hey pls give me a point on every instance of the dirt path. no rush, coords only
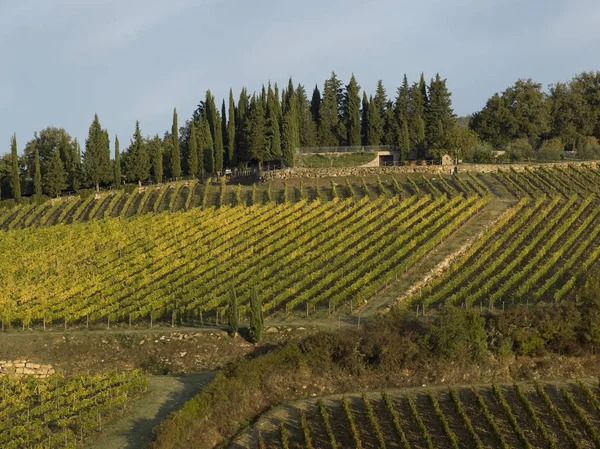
(134, 430)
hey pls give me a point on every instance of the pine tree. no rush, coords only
(118, 176)
(96, 159)
(233, 311)
(137, 163)
(193, 151)
(351, 112)
(37, 177)
(416, 125)
(257, 319)
(231, 153)
(402, 102)
(175, 150)
(55, 178)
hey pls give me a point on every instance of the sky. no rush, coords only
(128, 60)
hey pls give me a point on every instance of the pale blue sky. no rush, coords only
(128, 60)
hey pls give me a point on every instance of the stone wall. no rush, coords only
(432, 169)
(20, 368)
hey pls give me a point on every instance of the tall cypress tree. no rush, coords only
(175, 150)
(273, 126)
(404, 141)
(66, 154)
(374, 126)
(37, 177)
(315, 105)
(155, 153)
(117, 162)
(138, 162)
(193, 151)
(96, 159)
(76, 175)
(15, 181)
(307, 129)
(351, 112)
(219, 151)
(55, 178)
(257, 319)
(258, 144)
(231, 153)
(242, 143)
(207, 146)
(329, 114)
(224, 134)
(233, 311)
(439, 116)
(290, 139)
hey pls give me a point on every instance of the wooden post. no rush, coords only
(130, 321)
(108, 322)
(65, 323)
(87, 321)
(358, 326)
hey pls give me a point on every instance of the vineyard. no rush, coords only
(536, 252)
(524, 415)
(191, 194)
(303, 255)
(60, 412)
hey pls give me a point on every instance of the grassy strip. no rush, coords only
(556, 415)
(511, 417)
(465, 418)
(539, 425)
(420, 424)
(490, 419)
(396, 420)
(440, 414)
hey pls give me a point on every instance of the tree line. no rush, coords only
(262, 127)
(529, 123)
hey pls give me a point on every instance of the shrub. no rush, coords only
(481, 153)
(519, 150)
(589, 148)
(86, 193)
(129, 188)
(551, 150)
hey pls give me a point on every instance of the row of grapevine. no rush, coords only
(524, 416)
(59, 411)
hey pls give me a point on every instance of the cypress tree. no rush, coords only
(96, 159)
(315, 105)
(193, 151)
(404, 141)
(66, 154)
(364, 119)
(231, 153)
(233, 311)
(307, 128)
(224, 134)
(117, 162)
(290, 137)
(55, 178)
(439, 116)
(257, 319)
(138, 162)
(76, 175)
(15, 181)
(156, 158)
(256, 131)
(37, 178)
(219, 151)
(402, 101)
(207, 147)
(242, 143)
(390, 127)
(351, 111)
(175, 150)
(374, 128)
(380, 102)
(273, 125)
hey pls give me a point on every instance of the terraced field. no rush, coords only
(524, 415)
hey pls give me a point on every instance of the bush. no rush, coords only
(519, 150)
(86, 193)
(481, 153)
(551, 150)
(590, 148)
(38, 199)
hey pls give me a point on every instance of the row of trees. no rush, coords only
(566, 117)
(265, 126)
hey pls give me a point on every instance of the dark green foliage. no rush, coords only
(439, 114)
(193, 151)
(257, 320)
(290, 137)
(351, 112)
(458, 334)
(118, 175)
(233, 314)
(15, 180)
(55, 178)
(136, 160)
(273, 126)
(231, 152)
(307, 130)
(37, 177)
(96, 159)
(331, 129)
(207, 146)
(175, 152)
(315, 105)
(256, 131)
